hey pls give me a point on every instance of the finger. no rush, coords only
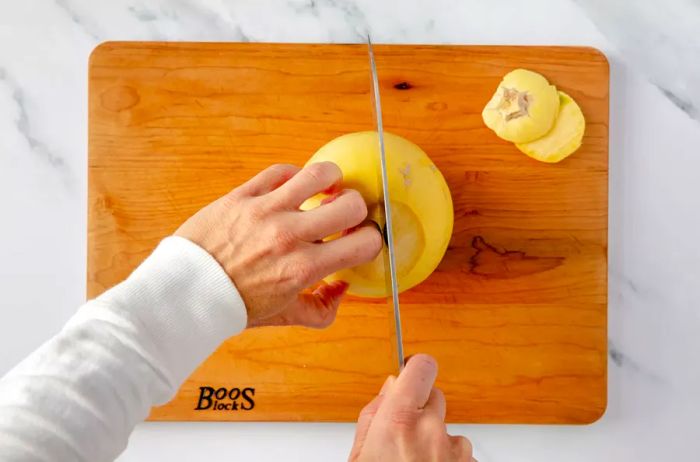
(415, 383)
(436, 406)
(268, 180)
(461, 449)
(317, 309)
(342, 211)
(388, 383)
(360, 246)
(363, 423)
(311, 180)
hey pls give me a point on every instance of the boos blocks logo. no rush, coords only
(225, 399)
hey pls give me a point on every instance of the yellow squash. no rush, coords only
(564, 138)
(523, 108)
(421, 205)
(544, 123)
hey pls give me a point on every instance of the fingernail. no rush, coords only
(367, 223)
(343, 286)
(387, 385)
(333, 189)
(426, 358)
(329, 199)
(338, 288)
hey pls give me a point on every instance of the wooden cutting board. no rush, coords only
(515, 313)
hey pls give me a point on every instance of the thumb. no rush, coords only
(316, 309)
(462, 448)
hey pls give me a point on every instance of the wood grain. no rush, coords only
(516, 312)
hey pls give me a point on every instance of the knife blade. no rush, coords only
(390, 255)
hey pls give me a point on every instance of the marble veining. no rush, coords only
(76, 18)
(654, 251)
(620, 360)
(661, 39)
(23, 129)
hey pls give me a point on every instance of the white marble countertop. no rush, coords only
(654, 253)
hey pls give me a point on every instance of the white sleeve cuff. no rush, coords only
(185, 303)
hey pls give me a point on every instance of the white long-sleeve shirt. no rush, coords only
(79, 396)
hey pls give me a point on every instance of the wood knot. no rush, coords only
(403, 86)
(119, 98)
(437, 106)
(493, 263)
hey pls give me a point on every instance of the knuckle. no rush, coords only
(280, 236)
(255, 211)
(303, 272)
(315, 172)
(466, 444)
(403, 421)
(463, 447)
(232, 199)
(280, 169)
(323, 172)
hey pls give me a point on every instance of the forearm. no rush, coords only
(79, 396)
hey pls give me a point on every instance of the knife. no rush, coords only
(389, 255)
